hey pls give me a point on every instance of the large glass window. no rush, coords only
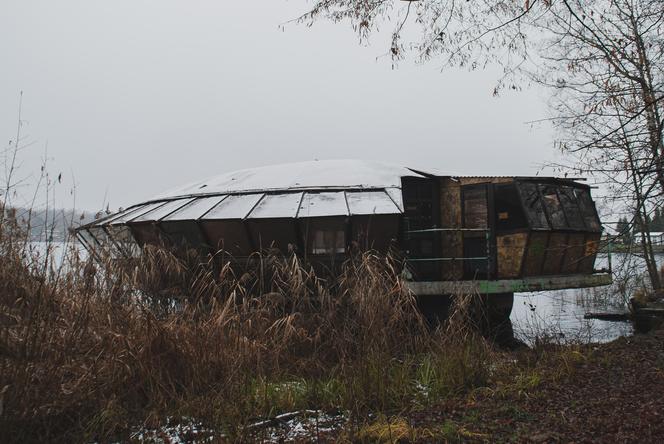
(533, 205)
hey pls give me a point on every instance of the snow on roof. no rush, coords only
(342, 174)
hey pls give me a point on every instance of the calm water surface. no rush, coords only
(560, 313)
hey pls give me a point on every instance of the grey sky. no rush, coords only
(136, 97)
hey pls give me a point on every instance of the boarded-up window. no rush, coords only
(475, 214)
(328, 242)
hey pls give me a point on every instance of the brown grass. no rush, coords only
(92, 351)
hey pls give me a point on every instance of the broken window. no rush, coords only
(533, 206)
(508, 212)
(553, 206)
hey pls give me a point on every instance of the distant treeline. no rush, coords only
(626, 232)
(50, 224)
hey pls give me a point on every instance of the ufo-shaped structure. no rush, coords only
(492, 235)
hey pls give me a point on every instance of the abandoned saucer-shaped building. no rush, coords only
(490, 235)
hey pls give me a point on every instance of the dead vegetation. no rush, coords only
(90, 351)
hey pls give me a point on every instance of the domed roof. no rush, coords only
(293, 190)
(312, 175)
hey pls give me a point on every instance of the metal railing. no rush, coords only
(487, 237)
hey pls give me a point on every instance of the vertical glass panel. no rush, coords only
(588, 210)
(533, 205)
(553, 206)
(569, 199)
(124, 239)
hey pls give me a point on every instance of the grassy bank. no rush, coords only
(93, 351)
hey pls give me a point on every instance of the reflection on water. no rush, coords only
(560, 313)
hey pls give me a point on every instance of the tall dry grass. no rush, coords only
(91, 350)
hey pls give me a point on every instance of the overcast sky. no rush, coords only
(136, 97)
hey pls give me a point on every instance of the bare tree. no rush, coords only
(602, 60)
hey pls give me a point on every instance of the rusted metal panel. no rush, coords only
(510, 250)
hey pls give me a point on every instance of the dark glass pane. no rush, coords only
(588, 210)
(553, 206)
(534, 208)
(508, 212)
(569, 198)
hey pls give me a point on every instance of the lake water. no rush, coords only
(559, 314)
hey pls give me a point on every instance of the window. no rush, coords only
(328, 242)
(553, 206)
(508, 212)
(588, 210)
(533, 204)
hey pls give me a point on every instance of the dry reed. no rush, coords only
(91, 350)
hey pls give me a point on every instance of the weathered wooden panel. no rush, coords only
(589, 253)
(535, 254)
(450, 217)
(574, 252)
(510, 250)
(229, 235)
(479, 179)
(555, 253)
(374, 232)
